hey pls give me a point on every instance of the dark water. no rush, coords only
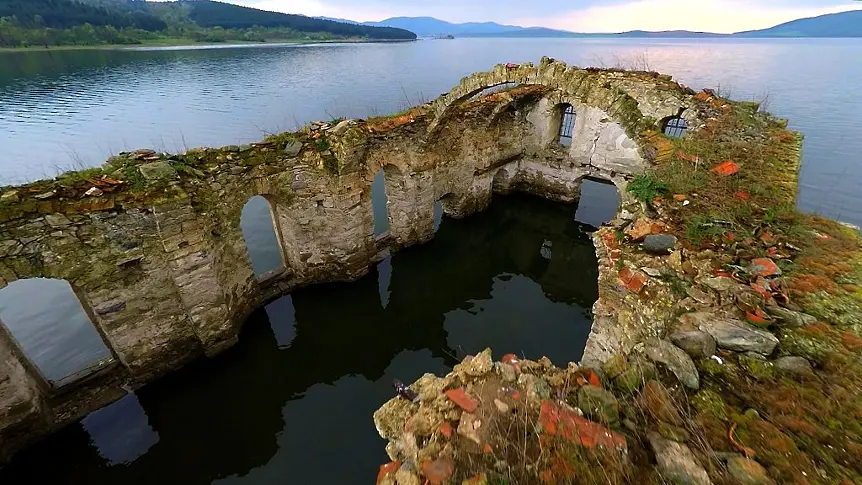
(293, 401)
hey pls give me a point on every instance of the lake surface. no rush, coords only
(65, 109)
(299, 389)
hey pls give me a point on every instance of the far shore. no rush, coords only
(191, 43)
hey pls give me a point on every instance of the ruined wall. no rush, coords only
(152, 242)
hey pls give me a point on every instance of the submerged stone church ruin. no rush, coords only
(152, 247)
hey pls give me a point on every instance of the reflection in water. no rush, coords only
(296, 394)
(121, 432)
(259, 235)
(48, 322)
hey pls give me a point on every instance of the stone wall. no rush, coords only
(152, 242)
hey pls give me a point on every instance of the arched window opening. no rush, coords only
(675, 127)
(567, 124)
(379, 203)
(53, 330)
(598, 202)
(258, 225)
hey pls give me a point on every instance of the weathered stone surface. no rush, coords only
(746, 471)
(794, 365)
(696, 343)
(341, 127)
(638, 373)
(640, 229)
(567, 424)
(764, 267)
(535, 387)
(677, 463)
(57, 220)
(699, 295)
(438, 471)
(292, 148)
(599, 405)
(676, 360)
(506, 371)
(659, 244)
(460, 397)
(733, 334)
(405, 476)
(476, 366)
(158, 171)
(720, 284)
(790, 318)
(615, 366)
(469, 427)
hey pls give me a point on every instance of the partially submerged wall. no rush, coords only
(152, 242)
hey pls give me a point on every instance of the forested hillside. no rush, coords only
(94, 22)
(63, 14)
(228, 16)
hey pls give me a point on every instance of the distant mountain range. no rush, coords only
(846, 24)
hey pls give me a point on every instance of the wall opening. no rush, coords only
(675, 127)
(444, 205)
(500, 183)
(567, 124)
(598, 203)
(261, 236)
(379, 203)
(493, 89)
(51, 327)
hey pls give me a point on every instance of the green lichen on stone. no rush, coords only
(710, 402)
(760, 369)
(844, 309)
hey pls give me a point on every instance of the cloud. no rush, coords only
(589, 16)
(724, 16)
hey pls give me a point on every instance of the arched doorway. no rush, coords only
(53, 330)
(598, 202)
(261, 236)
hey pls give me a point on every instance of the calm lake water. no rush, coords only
(299, 389)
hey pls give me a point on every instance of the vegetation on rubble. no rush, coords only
(802, 430)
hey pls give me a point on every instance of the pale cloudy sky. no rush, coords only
(576, 15)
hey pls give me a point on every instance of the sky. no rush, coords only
(724, 16)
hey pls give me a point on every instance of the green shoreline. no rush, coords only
(193, 43)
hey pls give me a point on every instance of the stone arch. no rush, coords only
(621, 98)
(59, 340)
(261, 231)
